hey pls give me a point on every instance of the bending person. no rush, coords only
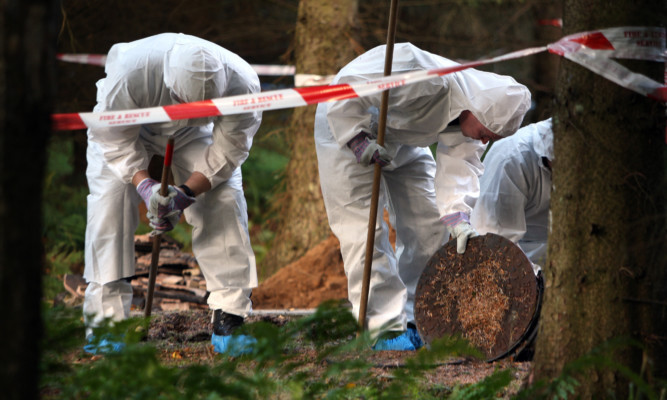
(164, 70)
(515, 191)
(419, 194)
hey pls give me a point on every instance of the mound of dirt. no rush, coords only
(307, 282)
(312, 279)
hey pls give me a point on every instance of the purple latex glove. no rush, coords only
(145, 189)
(164, 212)
(173, 203)
(367, 151)
(161, 225)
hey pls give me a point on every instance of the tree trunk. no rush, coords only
(27, 62)
(324, 44)
(606, 273)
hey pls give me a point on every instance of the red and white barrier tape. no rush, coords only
(590, 49)
(557, 22)
(265, 70)
(101, 59)
(595, 49)
(90, 59)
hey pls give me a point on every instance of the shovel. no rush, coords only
(157, 238)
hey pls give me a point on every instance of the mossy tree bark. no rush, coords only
(606, 273)
(27, 65)
(324, 43)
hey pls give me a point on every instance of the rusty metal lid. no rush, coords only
(488, 295)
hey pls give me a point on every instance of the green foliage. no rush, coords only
(182, 233)
(273, 370)
(262, 171)
(59, 263)
(338, 365)
(600, 358)
(64, 205)
(63, 332)
(263, 179)
(484, 389)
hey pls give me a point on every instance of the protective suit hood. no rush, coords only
(498, 102)
(193, 73)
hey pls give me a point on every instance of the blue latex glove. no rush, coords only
(367, 151)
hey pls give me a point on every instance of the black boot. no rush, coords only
(223, 342)
(225, 324)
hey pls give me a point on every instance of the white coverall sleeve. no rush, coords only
(120, 145)
(501, 206)
(416, 114)
(458, 168)
(349, 117)
(232, 139)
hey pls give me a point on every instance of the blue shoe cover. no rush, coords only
(233, 346)
(415, 338)
(104, 346)
(399, 343)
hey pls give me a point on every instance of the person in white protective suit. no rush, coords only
(162, 70)
(423, 197)
(515, 190)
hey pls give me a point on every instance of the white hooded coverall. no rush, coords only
(156, 71)
(515, 190)
(418, 116)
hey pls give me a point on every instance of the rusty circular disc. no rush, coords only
(488, 295)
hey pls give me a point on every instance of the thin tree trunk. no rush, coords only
(27, 60)
(324, 44)
(606, 246)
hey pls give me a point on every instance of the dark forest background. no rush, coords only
(263, 32)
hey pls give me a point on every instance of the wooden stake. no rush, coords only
(372, 220)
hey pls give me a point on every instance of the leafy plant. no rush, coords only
(64, 205)
(602, 357)
(274, 369)
(58, 263)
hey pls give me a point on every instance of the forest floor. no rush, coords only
(183, 337)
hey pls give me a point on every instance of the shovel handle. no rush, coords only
(157, 239)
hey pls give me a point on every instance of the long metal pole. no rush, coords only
(157, 239)
(372, 219)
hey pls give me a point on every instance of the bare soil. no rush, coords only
(304, 284)
(183, 336)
